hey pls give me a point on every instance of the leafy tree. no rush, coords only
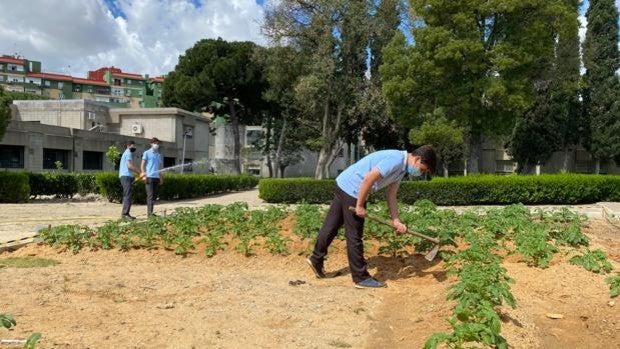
(602, 90)
(535, 136)
(332, 38)
(6, 98)
(445, 136)
(475, 59)
(551, 123)
(218, 75)
(565, 88)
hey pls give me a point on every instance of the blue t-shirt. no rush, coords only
(123, 170)
(390, 163)
(153, 162)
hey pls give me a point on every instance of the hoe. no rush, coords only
(429, 256)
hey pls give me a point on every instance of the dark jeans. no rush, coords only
(127, 183)
(338, 215)
(152, 184)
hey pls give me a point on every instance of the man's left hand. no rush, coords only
(399, 226)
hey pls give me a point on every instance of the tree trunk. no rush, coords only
(320, 164)
(465, 167)
(347, 155)
(234, 121)
(279, 148)
(332, 157)
(445, 170)
(282, 168)
(538, 169)
(475, 153)
(565, 163)
(597, 166)
(268, 145)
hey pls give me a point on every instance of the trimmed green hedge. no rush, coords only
(62, 184)
(470, 190)
(176, 186)
(14, 186)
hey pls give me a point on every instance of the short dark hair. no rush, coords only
(128, 143)
(154, 140)
(427, 157)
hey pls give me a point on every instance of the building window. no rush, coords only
(128, 82)
(90, 90)
(169, 162)
(1, 66)
(77, 88)
(92, 160)
(11, 156)
(140, 93)
(60, 85)
(117, 82)
(48, 83)
(1, 77)
(61, 96)
(51, 156)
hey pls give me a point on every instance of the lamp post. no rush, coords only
(186, 134)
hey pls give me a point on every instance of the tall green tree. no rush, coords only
(332, 37)
(566, 106)
(445, 136)
(535, 136)
(551, 124)
(215, 73)
(602, 90)
(475, 59)
(285, 135)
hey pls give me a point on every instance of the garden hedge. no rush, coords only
(470, 190)
(62, 184)
(14, 186)
(176, 186)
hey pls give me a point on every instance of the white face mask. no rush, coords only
(155, 146)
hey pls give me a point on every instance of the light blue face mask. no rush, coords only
(413, 171)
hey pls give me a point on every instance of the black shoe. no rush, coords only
(128, 217)
(317, 268)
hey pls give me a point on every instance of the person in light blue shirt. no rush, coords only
(126, 171)
(151, 170)
(381, 169)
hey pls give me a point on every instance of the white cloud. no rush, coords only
(148, 40)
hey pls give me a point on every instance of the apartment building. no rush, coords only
(109, 85)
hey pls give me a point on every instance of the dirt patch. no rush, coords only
(154, 299)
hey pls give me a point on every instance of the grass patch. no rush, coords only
(26, 262)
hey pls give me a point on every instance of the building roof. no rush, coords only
(51, 76)
(12, 60)
(158, 79)
(128, 75)
(89, 82)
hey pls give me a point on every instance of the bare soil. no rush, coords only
(154, 299)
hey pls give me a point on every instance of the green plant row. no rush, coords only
(470, 190)
(176, 186)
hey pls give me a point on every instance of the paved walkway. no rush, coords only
(18, 221)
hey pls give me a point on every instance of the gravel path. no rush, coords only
(22, 220)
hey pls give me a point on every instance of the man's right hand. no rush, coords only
(360, 211)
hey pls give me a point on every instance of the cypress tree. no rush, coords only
(601, 84)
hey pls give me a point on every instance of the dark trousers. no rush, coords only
(127, 183)
(338, 215)
(152, 184)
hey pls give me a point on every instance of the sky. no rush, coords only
(138, 36)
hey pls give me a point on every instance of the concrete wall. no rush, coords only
(79, 114)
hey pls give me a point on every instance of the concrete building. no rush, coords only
(108, 84)
(78, 133)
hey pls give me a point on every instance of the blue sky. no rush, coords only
(138, 36)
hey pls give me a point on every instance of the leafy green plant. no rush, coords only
(7, 321)
(614, 285)
(308, 220)
(595, 261)
(533, 246)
